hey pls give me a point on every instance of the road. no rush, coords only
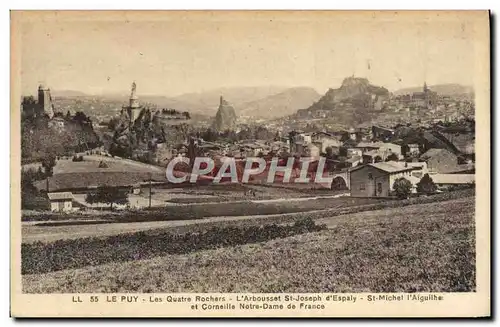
(37, 231)
(32, 232)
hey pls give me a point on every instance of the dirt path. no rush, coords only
(32, 233)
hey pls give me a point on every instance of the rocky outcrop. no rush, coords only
(353, 89)
(354, 102)
(225, 119)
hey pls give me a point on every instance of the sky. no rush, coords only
(174, 53)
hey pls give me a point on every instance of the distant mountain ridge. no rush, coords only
(209, 100)
(449, 89)
(205, 103)
(281, 104)
(68, 93)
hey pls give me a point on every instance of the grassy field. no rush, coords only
(199, 211)
(416, 248)
(232, 192)
(104, 225)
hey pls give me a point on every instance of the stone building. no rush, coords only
(42, 106)
(45, 101)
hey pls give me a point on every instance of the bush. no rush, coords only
(77, 158)
(42, 257)
(402, 188)
(392, 157)
(426, 185)
(107, 194)
(103, 164)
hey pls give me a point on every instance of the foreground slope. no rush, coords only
(418, 248)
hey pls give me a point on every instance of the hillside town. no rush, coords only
(364, 159)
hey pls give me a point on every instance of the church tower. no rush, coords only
(426, 89)
(45, 102)
(427, 96)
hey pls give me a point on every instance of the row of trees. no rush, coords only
(402, 186)
(107, 195)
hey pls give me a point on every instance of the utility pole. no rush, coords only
(150, 190)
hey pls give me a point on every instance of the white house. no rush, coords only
(377, 179)
(61, 201)
(419, 168)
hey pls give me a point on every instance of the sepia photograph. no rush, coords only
(238, 162)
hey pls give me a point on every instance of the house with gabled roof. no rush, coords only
(61, 201)
(377, 179)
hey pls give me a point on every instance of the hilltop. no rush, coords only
(354, 90)
(352, 103)
(281, 104)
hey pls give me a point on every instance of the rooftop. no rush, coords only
(372, 153)
(369, 145)
(60, 196)
(391, 166)
(82, 180)
(434, 152)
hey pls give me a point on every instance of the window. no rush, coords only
(379, 188)
(370, 176)
(362, 186)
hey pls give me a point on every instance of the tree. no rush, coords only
(48, 163)
(113, 123)
(40, 174)
(402, 188)
(426, 185)
(108, 195)
(329, 152)
(392, 157)
(262, 133)
(103, 164)
(344, 137)
(343, 151)
(82, 119)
